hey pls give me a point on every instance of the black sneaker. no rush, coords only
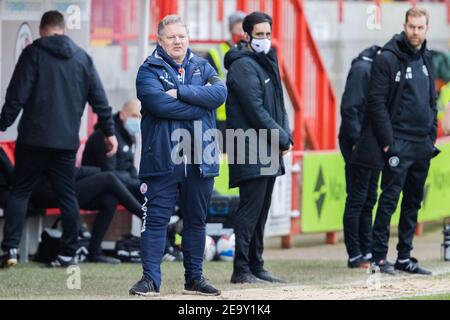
(61, 263)
(266, 276)
(246, 278)
(412, 266)
(359, 263)
(102, 259)
(383, 266)
(10, 258)
(201, 287)
(144, 288)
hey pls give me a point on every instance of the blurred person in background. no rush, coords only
(361, 181)
(48, 133)
(216, 57)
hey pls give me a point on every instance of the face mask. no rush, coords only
(133, 126)
(261, 45)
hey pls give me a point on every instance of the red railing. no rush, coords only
(378, 4)
(117, 21)
(313, 98)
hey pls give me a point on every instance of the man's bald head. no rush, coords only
(132, 109)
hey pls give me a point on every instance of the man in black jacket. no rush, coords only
(255, 101)
(401, 133)
(52, 82)
(362, 182)
(127, 126)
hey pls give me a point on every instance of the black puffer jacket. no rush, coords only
(52, 82)
(255, 101)
(385, 117)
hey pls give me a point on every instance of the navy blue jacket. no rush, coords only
(163, 114)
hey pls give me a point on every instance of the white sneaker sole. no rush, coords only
(198, 293)
(145, 294)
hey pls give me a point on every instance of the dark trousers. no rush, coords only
(362, 187)
(31, 163)
(408, 176)
(101, 191)
(249, 222)
(361, 198)
(132, 184)
(160, 198)
(346, 150)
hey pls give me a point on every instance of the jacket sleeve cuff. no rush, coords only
(108, 130)
(181, 92)
(386, 139)
(3, 127)
(285, 141)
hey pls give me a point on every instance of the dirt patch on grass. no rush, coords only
(376, 286)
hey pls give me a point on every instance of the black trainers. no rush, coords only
(246, 278)
(59, 262)
(359, 263)
(144, 288)
(201, 287)
(412, 266)
(102, 259)
(383, 266)
(266, 276)
(10, 258)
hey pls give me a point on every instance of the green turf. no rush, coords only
(434, 297)
(30, 281)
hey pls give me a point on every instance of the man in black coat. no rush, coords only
(52, 82)
(255, 101)
(401, 132)
(362, 182)
(127, 126)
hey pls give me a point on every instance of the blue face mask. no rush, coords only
(133, 126)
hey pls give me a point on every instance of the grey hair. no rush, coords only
(168, 20)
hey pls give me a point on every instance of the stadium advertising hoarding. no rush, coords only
(323, 191)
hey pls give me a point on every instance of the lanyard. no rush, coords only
(181, 74)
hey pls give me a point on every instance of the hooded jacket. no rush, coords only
(400, 104)
(255, 101)
(354, 99)
(52, 82)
